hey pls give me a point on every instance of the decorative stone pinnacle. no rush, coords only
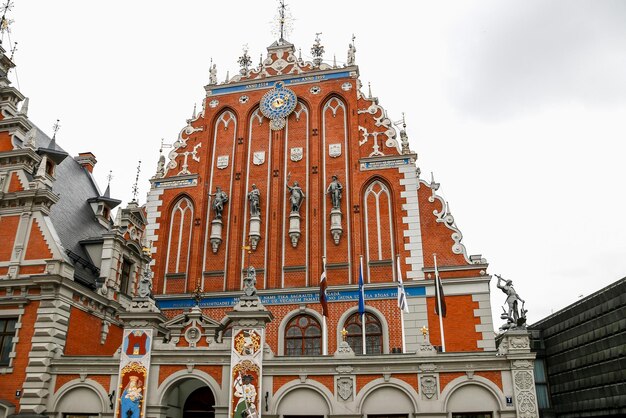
(317, 51)
(244, 61)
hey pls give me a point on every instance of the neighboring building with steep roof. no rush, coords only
(289, 174)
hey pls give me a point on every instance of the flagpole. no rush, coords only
(437, 284)
(324, 328)
(363, 314)
(401, 309)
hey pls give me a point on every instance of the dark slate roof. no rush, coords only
(72, 216)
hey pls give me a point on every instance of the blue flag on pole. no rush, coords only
(361, 292)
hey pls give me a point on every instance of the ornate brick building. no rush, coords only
(206, 301)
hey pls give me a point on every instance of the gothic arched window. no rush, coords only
(303, 336)
(179, 236)
(373, 334)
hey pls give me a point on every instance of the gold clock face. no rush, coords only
(278, 102)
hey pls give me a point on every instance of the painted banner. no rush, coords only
(245, 376)
(133, 373)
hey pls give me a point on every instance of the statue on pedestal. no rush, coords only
(297, 196)
(254, 196)
(516, 315)
(334, 190)
(219, 199)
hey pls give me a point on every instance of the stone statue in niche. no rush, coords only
(516, 315)
(254, 197)
(219, 199)
(334, 190)
(297, 196)
(144, 289)
(249, 282)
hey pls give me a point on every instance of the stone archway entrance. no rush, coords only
(200, 404)
(190, 398)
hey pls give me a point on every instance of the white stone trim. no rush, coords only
(287, 318)
(383, 190)
(369, 309)
(346, 185)
(461, 381)
(414, 320)
(295, 384)
(411, 222)
(485, 327)
(75, 384)
(159, 397)
(380, 383)
(152, 214)
(183, 215)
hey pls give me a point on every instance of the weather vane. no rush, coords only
(4, 22)
(55, 129)
(164, 145)
(284, 21)
(136, 184)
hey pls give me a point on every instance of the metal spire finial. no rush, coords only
(369, 88)
(55, 129)
(136, 184)
(13, 51)
(283, 18)
(281, 21)
(107, 192)
(4, 22)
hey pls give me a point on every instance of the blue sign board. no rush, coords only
(292, 298)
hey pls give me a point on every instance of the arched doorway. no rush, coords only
(189, 398)
(200, 404)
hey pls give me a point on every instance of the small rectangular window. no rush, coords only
(125, 276)
(7, 332)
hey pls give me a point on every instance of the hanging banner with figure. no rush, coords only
(245, 365)
(133, 374)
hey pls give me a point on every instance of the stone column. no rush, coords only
(515, 345)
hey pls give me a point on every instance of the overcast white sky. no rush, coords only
(519, 107)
